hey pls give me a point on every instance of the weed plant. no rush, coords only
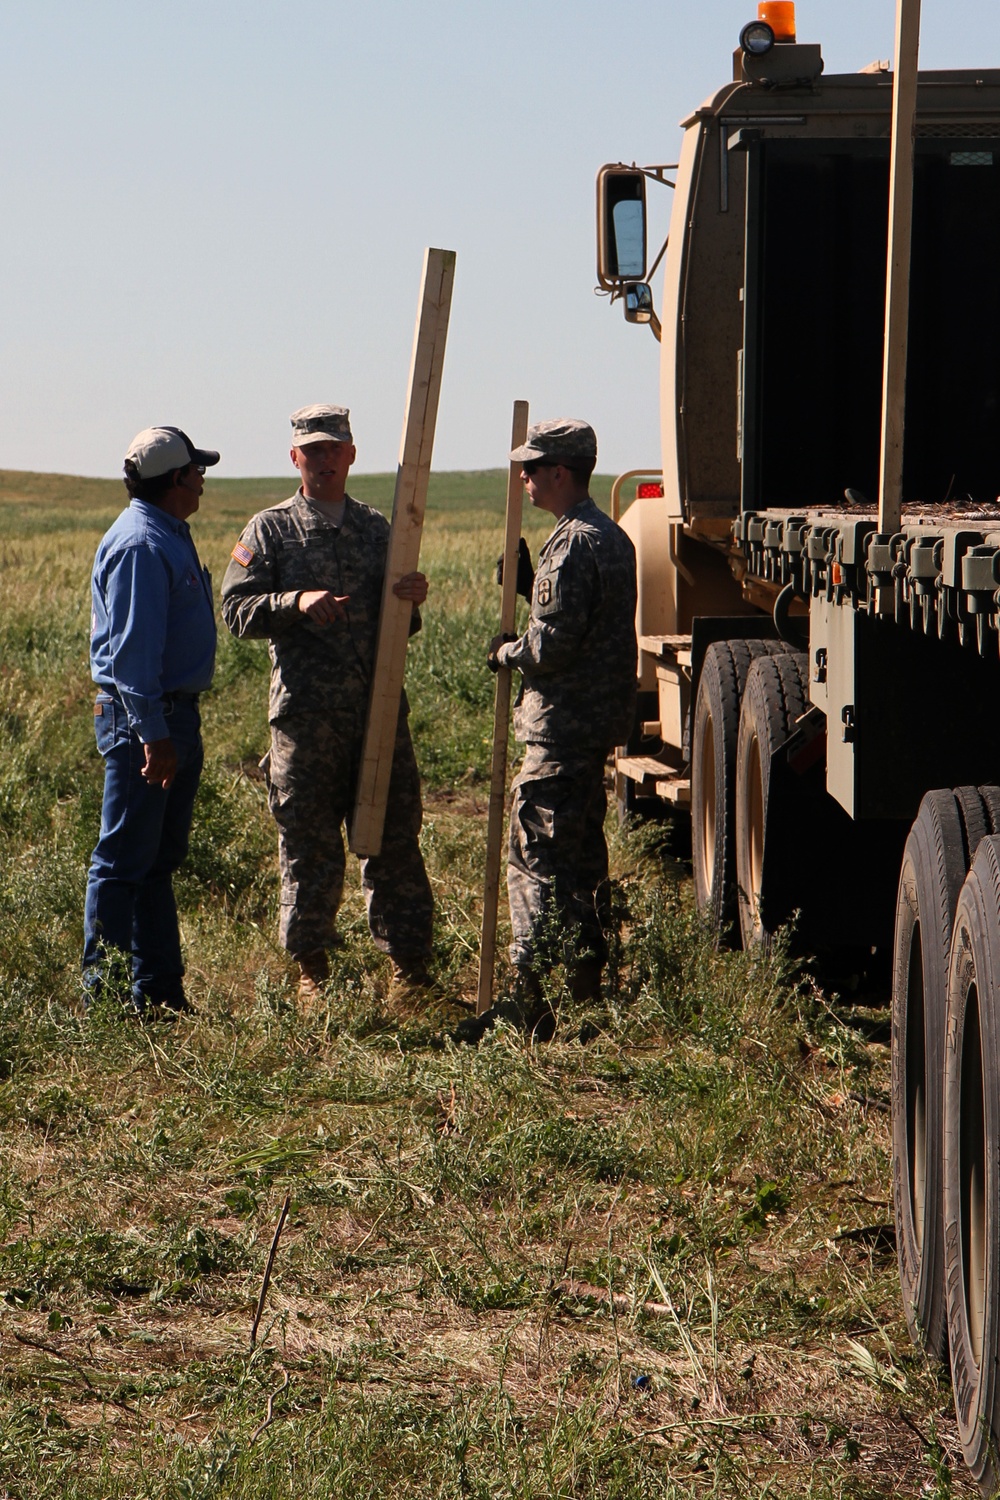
(651, 1259)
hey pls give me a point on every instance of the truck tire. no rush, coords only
(716, 723)
(942, 842)
(972, 1165)
(776, 694)
(976, 819)
(991, 806)
(933, 869)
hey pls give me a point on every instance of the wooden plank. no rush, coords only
(501, 719)
(677, 791)
(408, 505)
(644, 768)
(897, 292)
(664, 645)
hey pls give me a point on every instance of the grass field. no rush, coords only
(651, 1259)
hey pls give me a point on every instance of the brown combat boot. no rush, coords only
(411, 988)
(415, 993)
(314, 971)
(526, 1008)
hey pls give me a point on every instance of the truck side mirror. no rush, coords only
(638, 303)
(621, 227)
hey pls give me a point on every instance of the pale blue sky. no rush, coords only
(215, 210)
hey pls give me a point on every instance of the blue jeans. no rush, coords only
(144, 837)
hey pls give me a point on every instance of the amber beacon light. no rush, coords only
(780, 16)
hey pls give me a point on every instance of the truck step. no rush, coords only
(656, 779)
(672, 648)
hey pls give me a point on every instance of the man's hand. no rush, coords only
(495, 644)
(322, 607)
(161, 763)
(525, 571)
(412, 586)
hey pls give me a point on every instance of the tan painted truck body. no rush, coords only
(722, 423)
(824, 693)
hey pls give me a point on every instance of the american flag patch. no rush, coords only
(243, 555)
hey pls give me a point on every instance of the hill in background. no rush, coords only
(23, 491)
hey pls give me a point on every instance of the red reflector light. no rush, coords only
(837, 573)
(648, 491)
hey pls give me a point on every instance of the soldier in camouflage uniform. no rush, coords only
(307, 575)
(577, 661)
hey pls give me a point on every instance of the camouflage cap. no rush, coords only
(321, 424)
(565, 440)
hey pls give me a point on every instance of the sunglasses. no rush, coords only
(534, 464)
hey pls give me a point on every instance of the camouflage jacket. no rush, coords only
(578, 656)
(284, 552)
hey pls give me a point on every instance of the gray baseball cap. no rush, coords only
(157, 450)
(563, 441)
(321, 424)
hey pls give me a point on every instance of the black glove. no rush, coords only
(525, 572)
(495, 644)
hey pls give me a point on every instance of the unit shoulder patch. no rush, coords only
(242, 555)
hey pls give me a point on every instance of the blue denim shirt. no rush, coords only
(153, 622)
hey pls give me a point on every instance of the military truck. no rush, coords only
(819, 586)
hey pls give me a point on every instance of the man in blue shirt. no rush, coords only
(152, 651)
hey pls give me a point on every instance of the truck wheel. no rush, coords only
(991, 806)
(976, 817)
(948, 829)
(713, 778)
(930, 879)
(776, 695)
(972, 1165)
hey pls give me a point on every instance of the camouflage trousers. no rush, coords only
(557, 860)
(312, 770)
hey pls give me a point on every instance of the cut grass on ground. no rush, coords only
(652, 1259)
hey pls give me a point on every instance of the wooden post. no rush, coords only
(501, 719)
(897, 291)
(404, 549)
